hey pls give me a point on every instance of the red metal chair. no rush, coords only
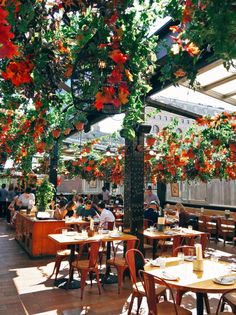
(133, 256)
(229, 298)
(89, 265)
(119, 262)
(160, 307)
(61, 255)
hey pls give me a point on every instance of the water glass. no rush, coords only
(64, 231)
(190, 227)
(162, 262)
(214, 258)
(181, 257)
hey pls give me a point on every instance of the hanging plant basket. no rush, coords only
(89, 77)
(79, 126)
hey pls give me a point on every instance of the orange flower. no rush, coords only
(129, 75)
(123, 95)
(118, 57)
(180, 73)
(192, 49)
(18, 72)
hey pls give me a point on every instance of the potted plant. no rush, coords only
(44, 195)
(81, 120)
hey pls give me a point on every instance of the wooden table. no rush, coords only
(157, 235)
(198, 282)
(72, 241)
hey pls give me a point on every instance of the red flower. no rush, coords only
(18, 72)
(118, 57)
(115, 77)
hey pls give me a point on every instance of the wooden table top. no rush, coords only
(77, 238)
(190, 280)
(155, 234)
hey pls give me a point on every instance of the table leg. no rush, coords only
(69, 283)
(107, 278)
(199, 303)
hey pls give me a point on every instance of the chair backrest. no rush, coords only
(187, 250)
(108, 225)
(149, 282)
(133, 258)
(224, 225)
(93, 253)
(218, 310)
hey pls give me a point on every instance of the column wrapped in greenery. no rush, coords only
(44, 195)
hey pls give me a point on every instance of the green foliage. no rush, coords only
(44, 195)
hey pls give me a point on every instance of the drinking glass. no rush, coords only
(64, 231)
(162, 262)
(181, 256)
(190, 227)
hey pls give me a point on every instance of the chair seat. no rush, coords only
(81, 264)
(65, 252)
(139, 288)
(230, 298)
(118, 261)
(166, 307)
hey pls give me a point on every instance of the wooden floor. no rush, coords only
(26, 289)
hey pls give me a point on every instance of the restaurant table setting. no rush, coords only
(209, 276)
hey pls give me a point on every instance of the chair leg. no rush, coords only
(98, 281)
(57, 266)
(179, 296)
(131, 304)
(207, 304)
(84, 274)
(120, 275)
(139, 304)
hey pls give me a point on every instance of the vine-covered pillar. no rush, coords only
(53, 165)
(134, 186)
(161, 192)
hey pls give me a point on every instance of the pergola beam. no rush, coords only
(218, 83)
(172, 109)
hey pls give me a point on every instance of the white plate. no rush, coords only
(115, 235)
(190, 258)
(169, 277)
(81, 238)
(155, 263)
(71, 233)
(225, 280)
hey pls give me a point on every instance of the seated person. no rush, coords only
(105, 215)
(61, 211)
(151, 213)
(87, 210)
(80, 206)
(70, 207)
(186, 219)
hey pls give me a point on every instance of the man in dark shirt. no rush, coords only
(87, 210)
(151, 213)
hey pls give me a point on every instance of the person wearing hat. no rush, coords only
(151, 213)
(150, 196)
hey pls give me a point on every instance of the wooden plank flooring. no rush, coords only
(26, 290)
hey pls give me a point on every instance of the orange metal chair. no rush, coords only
(119, 262)
(89, 265)
(225, 229)
(160, 307)
(133, 256)
(61, 255)
(229, 298)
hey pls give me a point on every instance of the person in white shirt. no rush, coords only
(149, 196)
(26, 200)
(105, 195)
(105, 216)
